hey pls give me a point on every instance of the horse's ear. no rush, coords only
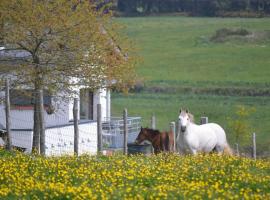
(180, 110)
(186, 110)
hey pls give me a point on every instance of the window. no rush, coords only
(23, 99)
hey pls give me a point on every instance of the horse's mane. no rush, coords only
(155, 131)
(191, 117)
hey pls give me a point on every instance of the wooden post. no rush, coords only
(153, 121)
(99, 128)
(125, 151)
(204, 120)
(8, 123)
(177, 134)
(254, 146)
(172, 129)
(76, 127)
(42, 125)
(237, 149)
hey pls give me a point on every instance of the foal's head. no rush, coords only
(184, 119)
(145, 134)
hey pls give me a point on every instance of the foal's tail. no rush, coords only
(228, 150)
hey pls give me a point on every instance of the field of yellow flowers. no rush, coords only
(165, 176)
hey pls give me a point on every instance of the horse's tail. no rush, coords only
(228, 150)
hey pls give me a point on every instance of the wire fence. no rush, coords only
(59, 136)
(59, 132)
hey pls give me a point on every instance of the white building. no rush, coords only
(59, 131)
(59, 126)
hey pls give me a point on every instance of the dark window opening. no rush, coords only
(25, 98)
(86, 104)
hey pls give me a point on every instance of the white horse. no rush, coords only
(200, 138)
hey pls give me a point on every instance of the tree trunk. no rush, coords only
(8, 127)
(36, 129)
(41, 121)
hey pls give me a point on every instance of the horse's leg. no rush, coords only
(218, 149)
(193, 151)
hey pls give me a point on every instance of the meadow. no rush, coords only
(165, 176)
(182, 67)
(178, 49)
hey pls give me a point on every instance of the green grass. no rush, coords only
(177, 53)
(219, 109)
(173, 49)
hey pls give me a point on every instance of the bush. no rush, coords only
(223, 34)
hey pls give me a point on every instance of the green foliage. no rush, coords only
(65, 43)
(239, 124)
(193, 7)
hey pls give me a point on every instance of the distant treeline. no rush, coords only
(252, 8)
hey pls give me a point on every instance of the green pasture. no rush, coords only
(178, 49)
(177, 52)
(219, 109)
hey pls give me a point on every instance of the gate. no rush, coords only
(113, 131)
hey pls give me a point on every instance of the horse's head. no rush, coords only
(143, 135)
(184, 119)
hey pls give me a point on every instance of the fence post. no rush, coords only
(204, 120)
(237, 149)
(42, 126)
(8, 123)
(153, 121)
(178, 132)
(254, 146)
(125, 131)
(76, 127)
(99, 128)
(172, 129)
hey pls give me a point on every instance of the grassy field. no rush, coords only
(165, 176)
(180, 64)
(177, 49)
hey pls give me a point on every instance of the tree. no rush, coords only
(65, 43)
(239, 124)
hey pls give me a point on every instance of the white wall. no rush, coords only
(23, 119)
(103, 97)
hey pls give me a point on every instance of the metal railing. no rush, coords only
(113, 129)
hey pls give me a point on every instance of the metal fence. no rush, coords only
(113, 131)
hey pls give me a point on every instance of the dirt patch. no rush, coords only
(240, 35)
